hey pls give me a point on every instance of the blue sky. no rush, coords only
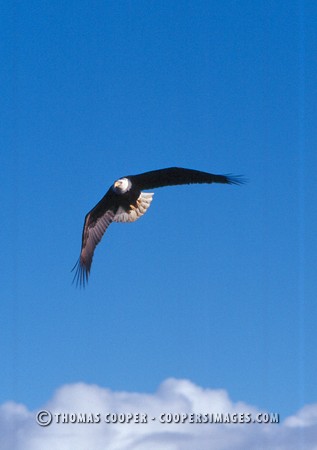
(215, 284)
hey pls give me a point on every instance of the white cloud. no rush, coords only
(19, 430)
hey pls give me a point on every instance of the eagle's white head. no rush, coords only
(122, 185)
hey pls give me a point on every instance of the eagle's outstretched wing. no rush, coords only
(95, 225)
(177, 175)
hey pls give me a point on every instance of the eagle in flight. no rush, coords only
(125, 201)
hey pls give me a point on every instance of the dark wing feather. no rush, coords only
(177, 175)
(95, 225)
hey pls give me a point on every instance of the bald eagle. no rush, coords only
(125, 201)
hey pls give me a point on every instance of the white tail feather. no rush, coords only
(143, 203)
